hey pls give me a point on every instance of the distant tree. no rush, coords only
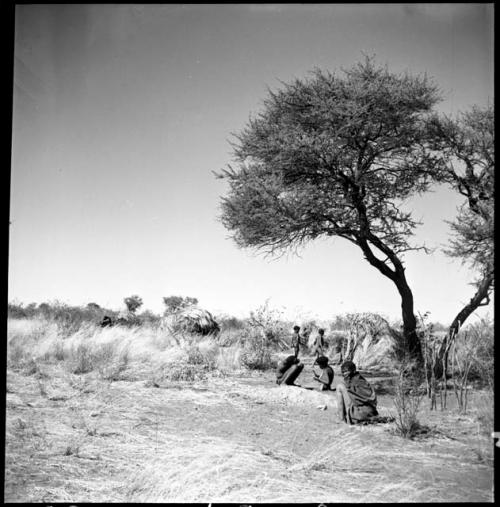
(133, 303)
(467, 147)
(16, 311)
(44, 309)
(148, 317)
(230, 322)
(31, 310)
(336, 156)
(175, 303)
(93, 306)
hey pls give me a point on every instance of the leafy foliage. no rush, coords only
(468, 146)
(337, 156)
(269, 324)
(176, 303)
(332, 156)
(257, 351)
(133, 303)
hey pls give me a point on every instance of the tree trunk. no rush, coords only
(412, 342)
(481, 294)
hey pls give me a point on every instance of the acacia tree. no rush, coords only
(467, 148)
(336, 156)
(133, 303)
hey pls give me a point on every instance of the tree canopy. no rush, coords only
(332, 156)
(336, 156)
(467, 148)
(467, 145)
(175, 303)
(133, 303)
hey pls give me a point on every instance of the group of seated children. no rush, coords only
(356, 398)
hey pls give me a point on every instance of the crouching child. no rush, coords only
(288, 370)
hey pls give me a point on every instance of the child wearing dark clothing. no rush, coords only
(288, 370)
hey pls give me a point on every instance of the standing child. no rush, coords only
(296, 341)
(319, 343)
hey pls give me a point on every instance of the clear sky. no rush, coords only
(122, 112)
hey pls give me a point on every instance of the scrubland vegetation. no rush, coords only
(135, 413)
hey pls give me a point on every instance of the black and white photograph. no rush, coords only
(251, 254)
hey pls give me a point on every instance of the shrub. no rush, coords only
(16, 311)
(15, 355)
(407, 399)
(109, 363)
(81, 360)
(257, 352)
(133, 303)
(228, 359)
(149, 318)
(484, 410)
(233, 337)
(358, 330)
(471, 357)
(229, 323)
(185, 372)
(481, 339)
(269, 324)
(254, 360)
(68, 318)
(175, 303)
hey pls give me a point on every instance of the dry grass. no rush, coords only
(221, 471)
(116, 352)
(91, 440)
(376, 356)
(103, 436)
(384, 468)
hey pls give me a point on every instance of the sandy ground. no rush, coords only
(76, 438)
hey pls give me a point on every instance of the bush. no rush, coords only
(149, 318)
(407, 399)
(68, 318)
(203, 354)
(254, 360)
(481, 338)
(185, 372)
(358, 331)
(228, 323)
(133, 303)
(81, 360)
(268, 323)
(16, 355)
(109, 363)
(105, 358)
(257, 352)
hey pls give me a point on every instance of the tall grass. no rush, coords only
(407, 400)
(112, 352)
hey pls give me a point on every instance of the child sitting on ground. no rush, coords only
(326, 377)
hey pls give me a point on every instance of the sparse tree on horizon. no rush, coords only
(175, 303)
(133, 303)
(337, 156)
